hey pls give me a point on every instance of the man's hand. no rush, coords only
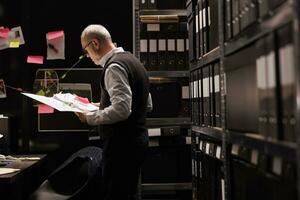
(81, 117)
(96, 104)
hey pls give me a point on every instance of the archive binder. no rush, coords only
(206, 97)
(241, 98)
(192, 79)
(170, 30)
(196, 96)
(180, 47)
(262, 84)
(228, 20)
(212, 100)
(143, 4)
(152, 4)
(213, 23)
(253, 11)
(161, 54)
(210, 175)
(144, 45)
(287, 81)
(235, 17)
(272, 87)
(152, 32)
(197, 30)
(263, 8)
(200, 32)
(217, 93)
(205, 26)
(191, 30)
(244, 13)
(200, 99)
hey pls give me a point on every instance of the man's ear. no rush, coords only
(96, 44)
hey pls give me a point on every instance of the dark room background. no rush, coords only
(36, 19)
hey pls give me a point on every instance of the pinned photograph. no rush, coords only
(16, 34)
(55, 45)
(11, 38)
(2, 89)
(4, 39)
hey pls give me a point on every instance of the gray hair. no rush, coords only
(96, 31)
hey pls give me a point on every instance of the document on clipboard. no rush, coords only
(65, 102)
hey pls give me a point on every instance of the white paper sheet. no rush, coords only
(5, 170)
(63, 103)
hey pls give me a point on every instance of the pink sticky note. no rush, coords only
(54, 34)
(4, 32)
(35, 59)
(42, 109)
(82, 99)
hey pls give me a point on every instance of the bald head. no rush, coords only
(96, 31)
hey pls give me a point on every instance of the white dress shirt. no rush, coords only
(117, 85)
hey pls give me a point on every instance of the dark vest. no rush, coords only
(134, 126)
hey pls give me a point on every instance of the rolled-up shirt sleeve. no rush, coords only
(117, 85)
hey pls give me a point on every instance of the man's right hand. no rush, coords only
(81, 117)
(96, 104)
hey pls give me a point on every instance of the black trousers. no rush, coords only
(122, 161)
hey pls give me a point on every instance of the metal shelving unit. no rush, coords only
(178, 12)
(169, 74)
(210, 57)
(284, 14)
(179, 121)
(215, 133)
(270, 147)
(296, 25)
(166, 186)
(281, 16)
(183, 122)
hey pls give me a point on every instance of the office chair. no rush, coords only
(73, 179)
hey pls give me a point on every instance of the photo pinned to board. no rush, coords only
(14, 37)
(55, 45)
(2, 89)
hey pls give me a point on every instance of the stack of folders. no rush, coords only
(203, 22)
(276, 85)
(256, 175)
(207, 174)
(240, 14)
(261, 91)
(206, 96)
(163, 43)
(190, 6)
(205, 27)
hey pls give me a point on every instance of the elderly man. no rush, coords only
(122, 112)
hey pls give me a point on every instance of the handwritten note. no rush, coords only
(35, 59)
(4, 32)
(14, 43)
(43, 109)
(54, 34)
(55, 45)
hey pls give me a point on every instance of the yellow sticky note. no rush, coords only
(41, 92)
(14, 44)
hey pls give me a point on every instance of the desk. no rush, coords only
(20, 184)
